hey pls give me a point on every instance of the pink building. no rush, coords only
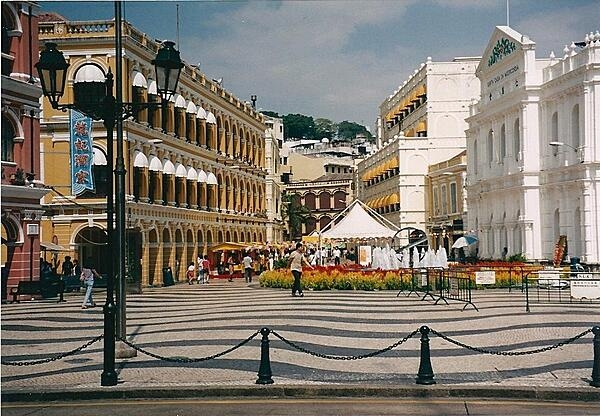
(21, 190)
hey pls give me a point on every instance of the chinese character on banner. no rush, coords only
(82, 153)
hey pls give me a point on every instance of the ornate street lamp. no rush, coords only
(96, 100)
(167, 66)
(52, 69)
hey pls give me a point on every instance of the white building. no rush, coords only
(533, 149)
(422, 123)
(273, 189)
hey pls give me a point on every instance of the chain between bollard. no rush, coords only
(345, 357)
(55, 358)
(190, 360)
(512, 353)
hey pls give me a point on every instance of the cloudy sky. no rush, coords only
(336, 59)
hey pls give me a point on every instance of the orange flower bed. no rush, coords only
(354, 277)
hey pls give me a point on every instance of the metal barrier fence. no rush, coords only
(439, 285)
(561, 286)
(455, 285)
(510, 277)
(425, 374)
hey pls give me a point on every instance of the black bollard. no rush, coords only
(425, 375)
(264, 371)
(596, 369)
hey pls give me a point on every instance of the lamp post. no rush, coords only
(560, 144)
(96, 100)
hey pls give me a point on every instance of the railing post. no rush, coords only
(425, 375)
(264, 370)
(596, 369)
(526, 281)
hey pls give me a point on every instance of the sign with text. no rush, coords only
(364, 255)
(585, 286)
(486, 277)
(424, 279)
(454, 286)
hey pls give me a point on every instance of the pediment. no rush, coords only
(504, 43)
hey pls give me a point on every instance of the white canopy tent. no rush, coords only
(358, 221)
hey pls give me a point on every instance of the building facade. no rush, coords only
(534, 149)
(195, 173)
(324, 197)
(274, 187)
(421, 124)
(21, 189)
(446, 201)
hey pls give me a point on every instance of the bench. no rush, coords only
(33, 288)
(45, 289)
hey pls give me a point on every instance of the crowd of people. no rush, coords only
(249, 263)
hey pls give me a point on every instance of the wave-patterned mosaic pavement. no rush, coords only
(197, 321)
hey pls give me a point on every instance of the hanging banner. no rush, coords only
(82, 153)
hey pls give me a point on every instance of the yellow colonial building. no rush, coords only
(195, 172)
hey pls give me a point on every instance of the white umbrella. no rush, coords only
(464, 241)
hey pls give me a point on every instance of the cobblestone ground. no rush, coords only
(198, 321)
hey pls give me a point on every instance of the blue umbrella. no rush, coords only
(465, 240)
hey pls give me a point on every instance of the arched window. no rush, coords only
(556, 225)
(554, 132)
(8, 135)
(339, 199)
(502, 143)
(311, 225)
(310, 201)
(100, 173)
(490, 147)
(575, 126)
(325, 200)
(9, 29)
(575, 248)
(323, 221)
(475, 157)
(517, 140)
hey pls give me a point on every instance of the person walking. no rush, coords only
(230, 264)
(200, 269)
(88, 272)
(76, 268)
(295, 261)
(191, 273)
(205, 269)
(247, 261)
(67, 270)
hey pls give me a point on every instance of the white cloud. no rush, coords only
(341, 59)
(297, 56)
(565, 27)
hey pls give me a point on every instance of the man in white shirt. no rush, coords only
(247, 262)
(295, 264)
(336, 256)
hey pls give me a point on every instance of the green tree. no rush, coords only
(347, 130)
(271, 114)
(298, 126)
(325, 128)
(294, 214)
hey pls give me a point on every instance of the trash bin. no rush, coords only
(575, 265)
(167, 276)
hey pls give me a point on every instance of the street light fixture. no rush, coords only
(560, 144)
(96, 100)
